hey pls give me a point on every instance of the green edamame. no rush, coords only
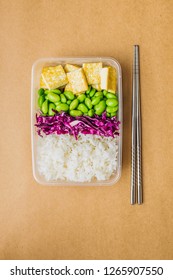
(111, 95)
(108, 115)
(105, 92)
(41, 91)
(69, 102)
(74, 104)
(99, 93)
(111, 109)
(47, 91)
(76, 113)
(88, 103)
(52, 106)
(63, 98)
(52, 97)
(62, 107)
(57, 91)
(44, 107)
(81, 97)
(69, 95)
(112, 102)
(88, 90)
(113, 114)
(57, 103)
(92, 92)
(95, 100)
(82, 108)
(91, 113)
(41, 99)
(99, 108)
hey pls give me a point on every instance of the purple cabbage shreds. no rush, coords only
(65, 124)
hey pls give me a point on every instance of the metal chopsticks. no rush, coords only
(136, 175)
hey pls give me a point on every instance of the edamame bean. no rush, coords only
(111, 95)
(62, 107)
(108, 115)
(82, 108)
(57, 91)
(41, 91)
(47, 91)
(112, 102)
(88, 103)
(76, 113)
(57, 103)
(99, 93)
(113, 114)
(69, 95)
(92, 92)
(95, 100)
(51, 106)
(81, 97)
(99, 108)
(105, 92)
(91, 113)
(44, 107)
(41, 99)
(111, 109)
(53, 97)
(88, 90)
(69, 102)
(63, 98)
(74, 104)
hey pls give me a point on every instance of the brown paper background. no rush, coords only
(39, 222)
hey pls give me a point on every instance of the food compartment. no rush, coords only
(83, 158)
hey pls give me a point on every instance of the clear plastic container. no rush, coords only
(35, 85)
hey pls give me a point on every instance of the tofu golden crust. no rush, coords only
(108, 79)
(97, 87)
(92, 72)
(42, 84)
(77, 80)
(71, 67)
(53, 77)
(68, 87)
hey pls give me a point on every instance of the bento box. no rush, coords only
(76, 135)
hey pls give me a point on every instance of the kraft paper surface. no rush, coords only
(41, 222)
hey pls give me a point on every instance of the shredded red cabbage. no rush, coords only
(65, 124)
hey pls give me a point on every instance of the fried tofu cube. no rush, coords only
(92, 72)
(53, 77)
(77, 80)
(68, 87)
(42, 84)
(70, 67)
(108, 79)
(97, 86)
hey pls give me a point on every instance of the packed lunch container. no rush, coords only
(35, 85)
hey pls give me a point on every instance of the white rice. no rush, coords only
(62, 157)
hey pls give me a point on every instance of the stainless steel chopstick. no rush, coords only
(134, 125)
(136, 133)
(139, 167)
